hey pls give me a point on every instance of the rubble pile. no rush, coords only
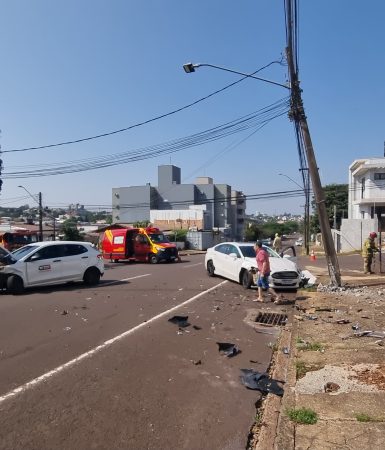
(356, 291)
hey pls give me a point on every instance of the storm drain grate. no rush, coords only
(272, 319)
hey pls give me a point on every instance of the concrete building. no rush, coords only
(366, 208)
(202, 205)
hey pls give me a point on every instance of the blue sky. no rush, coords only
(77, 68)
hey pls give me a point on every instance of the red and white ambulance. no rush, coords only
(137, 244)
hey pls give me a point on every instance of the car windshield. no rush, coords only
(159, 238)
(23, 251)
(247, 251)
(271, 252)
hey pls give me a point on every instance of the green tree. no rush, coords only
(335, 194)
(70, 231)
(141, 224)
(269, 229)
(252, 233)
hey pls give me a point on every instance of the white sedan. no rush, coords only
(51, 262)
(236, 261)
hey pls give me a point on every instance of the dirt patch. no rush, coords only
(374, 375)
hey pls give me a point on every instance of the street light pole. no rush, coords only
(40, 203)
(40, 218)
(190, 67)
(298, 114)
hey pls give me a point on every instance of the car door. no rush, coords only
(45, 265)
(75, 261)
(142, 247)
(232, 262)
(219, 259)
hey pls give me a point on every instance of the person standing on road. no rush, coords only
(263, 265)
(368, 250)
(277, 243)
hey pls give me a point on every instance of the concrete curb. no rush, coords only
(272, 404)
(277, 431)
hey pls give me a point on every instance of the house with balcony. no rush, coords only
(366, 207)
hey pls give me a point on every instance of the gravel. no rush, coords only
(345, 376)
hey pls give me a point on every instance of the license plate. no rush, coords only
(287, 281)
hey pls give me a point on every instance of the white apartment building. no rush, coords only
(366, 208)
(367, 188)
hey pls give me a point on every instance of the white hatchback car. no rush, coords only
(51, 262)
(236, 261)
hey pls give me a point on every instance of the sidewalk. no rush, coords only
(335, 371)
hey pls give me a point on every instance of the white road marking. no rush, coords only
(192, 265)
(138, 276)
(124, 279)
(24, 387)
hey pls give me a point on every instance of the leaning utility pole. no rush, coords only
(298, 115)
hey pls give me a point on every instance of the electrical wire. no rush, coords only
(257, 196)
(145, 122)
(252, 120)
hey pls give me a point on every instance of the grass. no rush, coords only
(362, 417)
(309, 346)
(302, 415)
(300, 369)
(258, 417)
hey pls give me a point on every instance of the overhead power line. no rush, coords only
(145, 122)
(254, 120)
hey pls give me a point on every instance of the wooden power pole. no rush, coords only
(298, 115)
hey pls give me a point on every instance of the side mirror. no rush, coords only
(233, 255)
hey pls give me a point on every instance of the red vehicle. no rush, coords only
(11, 240)
(138, 244)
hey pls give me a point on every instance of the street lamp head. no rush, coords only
(189, 67)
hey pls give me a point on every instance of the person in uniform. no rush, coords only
(368, 250)
(277, 243)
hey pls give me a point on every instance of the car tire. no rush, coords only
(246, 279)
(15, 285)
(152, 259)
(91, 276)
(210, 269)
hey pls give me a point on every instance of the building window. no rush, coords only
(362, 187)
(379, 176)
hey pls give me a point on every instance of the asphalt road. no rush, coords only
(103, 368)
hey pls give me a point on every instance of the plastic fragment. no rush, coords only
(181, 321)
(261, 382)
(228, 349)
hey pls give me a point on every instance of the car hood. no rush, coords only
(165, 245)
(276, 264)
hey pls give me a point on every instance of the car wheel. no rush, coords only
(210, 269)
(247, 280)
(152, 259)
(91, 276)
(15, 285)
